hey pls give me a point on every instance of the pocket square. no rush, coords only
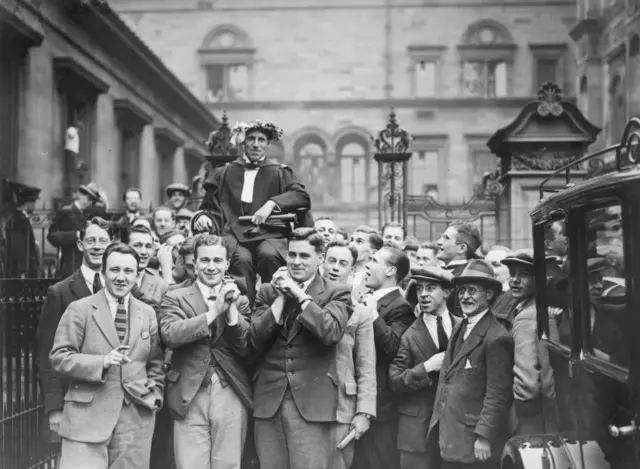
(468, 366)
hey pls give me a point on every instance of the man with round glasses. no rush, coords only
(475, 391)
(414, 372)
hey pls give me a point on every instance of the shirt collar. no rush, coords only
(306, 283)
(248, 161)
(383, 291)
(431, 318)
(456, 262)
(112, 300)
(473, 320)
(207, 291)
(89, 274)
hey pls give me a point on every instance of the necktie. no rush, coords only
(121, 320)
(97, 284)
(460, 338)
(292, 309)
(443, 340)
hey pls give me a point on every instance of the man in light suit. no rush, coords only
(149, 287)
(392, 316)
(356, 358)
(91, 242)
(414, 372)
(475, 388)
(108, 346)
(298, 320)
(208, 389)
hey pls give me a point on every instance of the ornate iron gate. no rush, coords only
(21, 409)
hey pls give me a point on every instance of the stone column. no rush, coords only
(105, 170)
(179, 168)
(149, 170)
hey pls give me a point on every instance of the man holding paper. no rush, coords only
(108, 346)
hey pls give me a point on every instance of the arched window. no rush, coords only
(486, 53)
(617, 112)
(355, 168)
(226, 56)
(311, 156)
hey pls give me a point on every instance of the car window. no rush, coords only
(557, 296)
(605, 289)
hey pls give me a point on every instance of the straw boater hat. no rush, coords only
(480, 272)
(92, 190)
(523, 258)
(178, 187)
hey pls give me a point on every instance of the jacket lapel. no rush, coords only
(148, 285)
(135, 321)
(104, 319)
(193, 297)
(78, 286)
(423, 340)
(472, 342)
(314, 291)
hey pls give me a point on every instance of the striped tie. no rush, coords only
(121, 320)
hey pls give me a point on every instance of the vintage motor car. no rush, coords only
(588, 307)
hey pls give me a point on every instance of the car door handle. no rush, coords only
(627, 430)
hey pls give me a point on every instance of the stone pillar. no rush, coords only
(105, 170)
(150, 176)
(179, 168)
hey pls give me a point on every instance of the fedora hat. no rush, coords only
(522, 257)
(92, 190)
(433, 274)
(480, 272)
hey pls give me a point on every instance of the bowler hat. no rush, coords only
(178, 187)
(92, 190)
(433, 274)
(480, 272)
(22, 192)
(522, 257)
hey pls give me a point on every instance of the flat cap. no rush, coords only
(178, 187)
(433, 274)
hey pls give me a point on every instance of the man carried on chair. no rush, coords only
(256, 186)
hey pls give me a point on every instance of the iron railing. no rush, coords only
(21, 409)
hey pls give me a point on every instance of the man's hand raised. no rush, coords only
(204, 223)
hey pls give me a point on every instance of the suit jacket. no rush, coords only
(274, 181)
(304, 358)
(504, 307)
(95, 398)
(53, 385)
(416, 388)
(395, 317)
(533, 376)
(184, 329)
(475, 391)
(63, 234)
(356, 368)
(152, 289)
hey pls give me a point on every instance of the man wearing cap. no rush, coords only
(63, 233)
(257, 186)
(178, 195)
(21, 253)
(414, 372)
(183, 221)
(533, 384)
(475, 391)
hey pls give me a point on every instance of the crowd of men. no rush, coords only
(196, 345)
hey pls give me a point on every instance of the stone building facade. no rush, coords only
(607, 45)
(328, 72)
(75, 63)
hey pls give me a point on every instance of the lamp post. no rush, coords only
(220, 147)
(392, 155)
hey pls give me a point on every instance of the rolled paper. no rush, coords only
(347, 439)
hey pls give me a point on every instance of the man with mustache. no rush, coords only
(392, 315)
(92, 240)
(298, 321)
(475, 388)
(208, 388)
(257, 186)
(414, 372)
(356, 358)
(107, 345)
